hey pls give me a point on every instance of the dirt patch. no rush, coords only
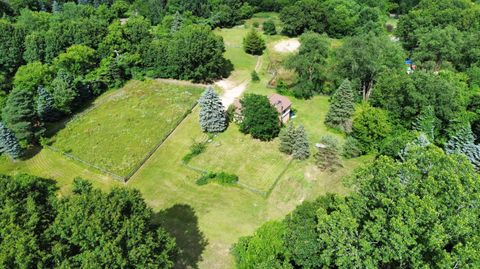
(287, 46)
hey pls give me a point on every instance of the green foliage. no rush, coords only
(419, 210)
(78, 60)
(287, 139)
(301, 147)
(310, 64)
(340, 17)
(253, 43)
(463, 142)
(342, 107)
(11, 47)
(328, 154)
(213, 118)
(196, 149)
(362, 58)
(32, 75)
(269, 27)
(221, 178)
(45, 105)
(265, 249)
(9, 143)
(370, 126)
(394, 144)
(351, 148)
(260, 118)
(254, 76)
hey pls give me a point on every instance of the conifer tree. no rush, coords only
(287, 139)
(301, 148)
(213, 118)
(19, 114)
(342, 107)
(426, 122)
(9, 143)
(327, 156)
(463, 142)
(176, 23)
(253, 43)
(45, 105)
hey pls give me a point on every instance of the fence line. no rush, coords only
(272, 187)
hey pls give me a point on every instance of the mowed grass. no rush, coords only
(257, 164)
(126, 124)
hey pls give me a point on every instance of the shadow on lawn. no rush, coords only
(182, 223)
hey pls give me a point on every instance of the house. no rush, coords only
(280, 102)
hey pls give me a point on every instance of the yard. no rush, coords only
(124, 125)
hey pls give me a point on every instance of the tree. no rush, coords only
(253, 43)
(269, 27)
(310, 64)
(28, 77)
(370, 126)
(20, 117)
(11, 47)
(260, 118)
(419, 212)
(45, 106)
(78, 60)
(9, 143)
(427, 123)
(176, 23)
(341, 17)
(301, 16)
(362, 58)
(213, 118)
(342, 107)
(301, 147)
(327, 156)
(63, 92)
(463, 142)
(287, 139)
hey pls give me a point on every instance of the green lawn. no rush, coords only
(124, 125)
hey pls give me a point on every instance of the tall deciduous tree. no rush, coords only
(9, 143)
(253, 43)
(370, 126)
(213, 118)
(342, 107)
(260, 118)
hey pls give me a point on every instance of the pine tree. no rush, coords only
(463, 142)
(45, 105)
(176, 23)
(9, 143)
(327, 156)
(56, 7)
(301, 148)
(253, 43)
(342, 107)
(19, 115)
(213, 118)
(421, 141)
(287, 139)
(426, 121)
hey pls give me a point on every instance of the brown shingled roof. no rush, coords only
(280, 102)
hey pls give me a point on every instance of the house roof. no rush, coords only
(280, 102)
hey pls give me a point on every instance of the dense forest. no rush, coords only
(406, 94)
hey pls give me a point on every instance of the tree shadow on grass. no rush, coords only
(182, 223)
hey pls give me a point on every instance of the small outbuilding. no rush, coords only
(280, 102)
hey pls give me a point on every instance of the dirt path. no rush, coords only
(232, 90)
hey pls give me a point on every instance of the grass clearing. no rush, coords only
(126, 124)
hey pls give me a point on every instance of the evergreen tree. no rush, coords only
(45, 105)
(426, 122)
(327, 156)
(463, 142)
(287, 139)
(342, 107)
(9, 143)
(56, 7)
(269, 27)
(176, 23)
(213, 118)
(19, 115)
(253, 43)
(301, 148)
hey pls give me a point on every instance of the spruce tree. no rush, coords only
(426, 122)
(301, 148)
(327, 157)
(342, 107)
(213, 118)
(176, 23)
(20, 116)
(287, 139)
(45, 105)
(9, 143)
(253, 43)
(463, 142)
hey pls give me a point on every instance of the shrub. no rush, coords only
(195, 149)
(389, 27)
(255, 24)
(269, 28)
(351, 148)
(205, 178)
(255, 77)
(221, 178)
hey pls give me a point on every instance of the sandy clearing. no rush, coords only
(286, 46)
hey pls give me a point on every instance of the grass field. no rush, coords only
(126, 124)
(205, 220)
